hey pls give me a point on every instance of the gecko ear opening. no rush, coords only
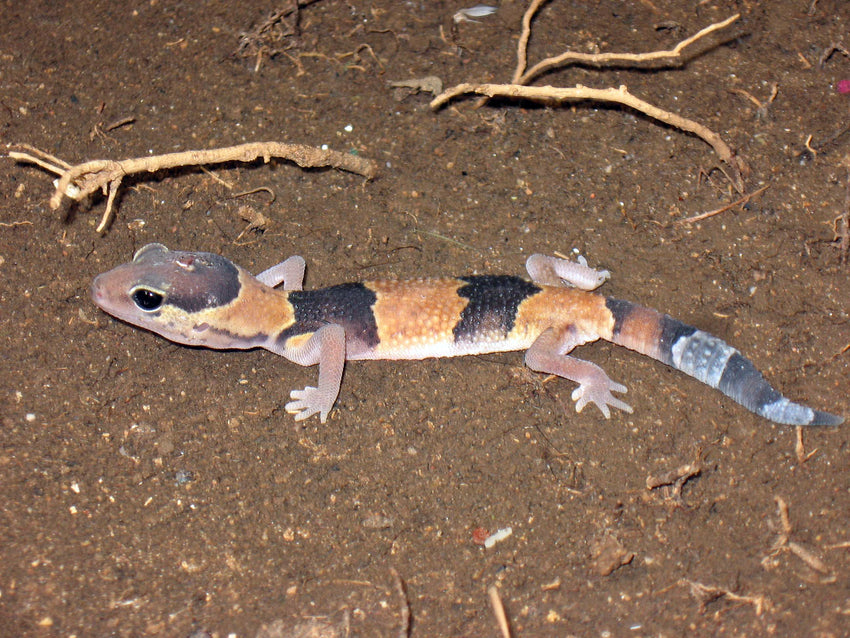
(146, 299)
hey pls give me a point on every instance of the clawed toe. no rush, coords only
(306, 403)
(601, 397)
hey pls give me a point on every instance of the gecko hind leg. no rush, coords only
(552, 271)
(548, 354)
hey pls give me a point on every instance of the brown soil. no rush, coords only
(153, 489)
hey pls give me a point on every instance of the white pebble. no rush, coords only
(497, 536)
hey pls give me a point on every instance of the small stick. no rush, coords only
(522, 46)
(709, 593)
(800, 448)
(521, 77)
(76, 182)
(837, 46)
(124, 121)
(499, 610)
(620, 95)
(723, 209)
(253, 191)
(784, 519)
(809, 147)
(844, 221)
(609, 59)
(783, 543)
(675, 480)
(45, 160)
(404, 629)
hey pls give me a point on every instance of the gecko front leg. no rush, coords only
(290, 272)
(325, 347)
(548, 354)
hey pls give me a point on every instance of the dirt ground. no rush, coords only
(153, 489)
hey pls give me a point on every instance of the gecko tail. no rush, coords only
(741, 381)
(708, 359)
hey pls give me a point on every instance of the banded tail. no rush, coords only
(708, 359)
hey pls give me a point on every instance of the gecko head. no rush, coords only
(177, 294)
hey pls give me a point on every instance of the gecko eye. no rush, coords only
(147, 300)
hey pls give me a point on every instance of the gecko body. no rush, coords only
(202, 299)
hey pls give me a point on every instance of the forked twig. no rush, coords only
(518, 89)
(746, 198)
(524, 36)
(620, 95)
(706, 594)
(783, 543)
(77, 182)
(670, 57)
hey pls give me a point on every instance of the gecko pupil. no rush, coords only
(147, 299)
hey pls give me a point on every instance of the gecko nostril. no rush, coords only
(97, 291)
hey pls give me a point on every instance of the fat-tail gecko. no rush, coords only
(202, 299)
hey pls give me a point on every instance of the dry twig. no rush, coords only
(706, 594)
(674, 480)
(673, 57)
(518, 89)
(404, 606)
(524, 36)
(800, 448)
(621, 96)
(833, 48)
(499, 611)
(77, 182)
(276, 34)
(761, 107)
(723, 209)
(842, 222)
(783, 543)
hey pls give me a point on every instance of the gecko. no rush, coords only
(203, 299)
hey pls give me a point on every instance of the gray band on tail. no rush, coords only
(709, 359)
(716, 363)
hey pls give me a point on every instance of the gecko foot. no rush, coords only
(308, 402)
(600, 394)
(553, 271)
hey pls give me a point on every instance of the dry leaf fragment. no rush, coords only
(429, 84)
(608, 555)
(478, 11)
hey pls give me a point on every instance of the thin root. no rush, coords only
(620, 95)
(499, 611)
(672, 57)
(842, 234)
(723, 209)
(404, 605)
(77, 182)
(706, 594)
(674, 480)
(783, 543)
